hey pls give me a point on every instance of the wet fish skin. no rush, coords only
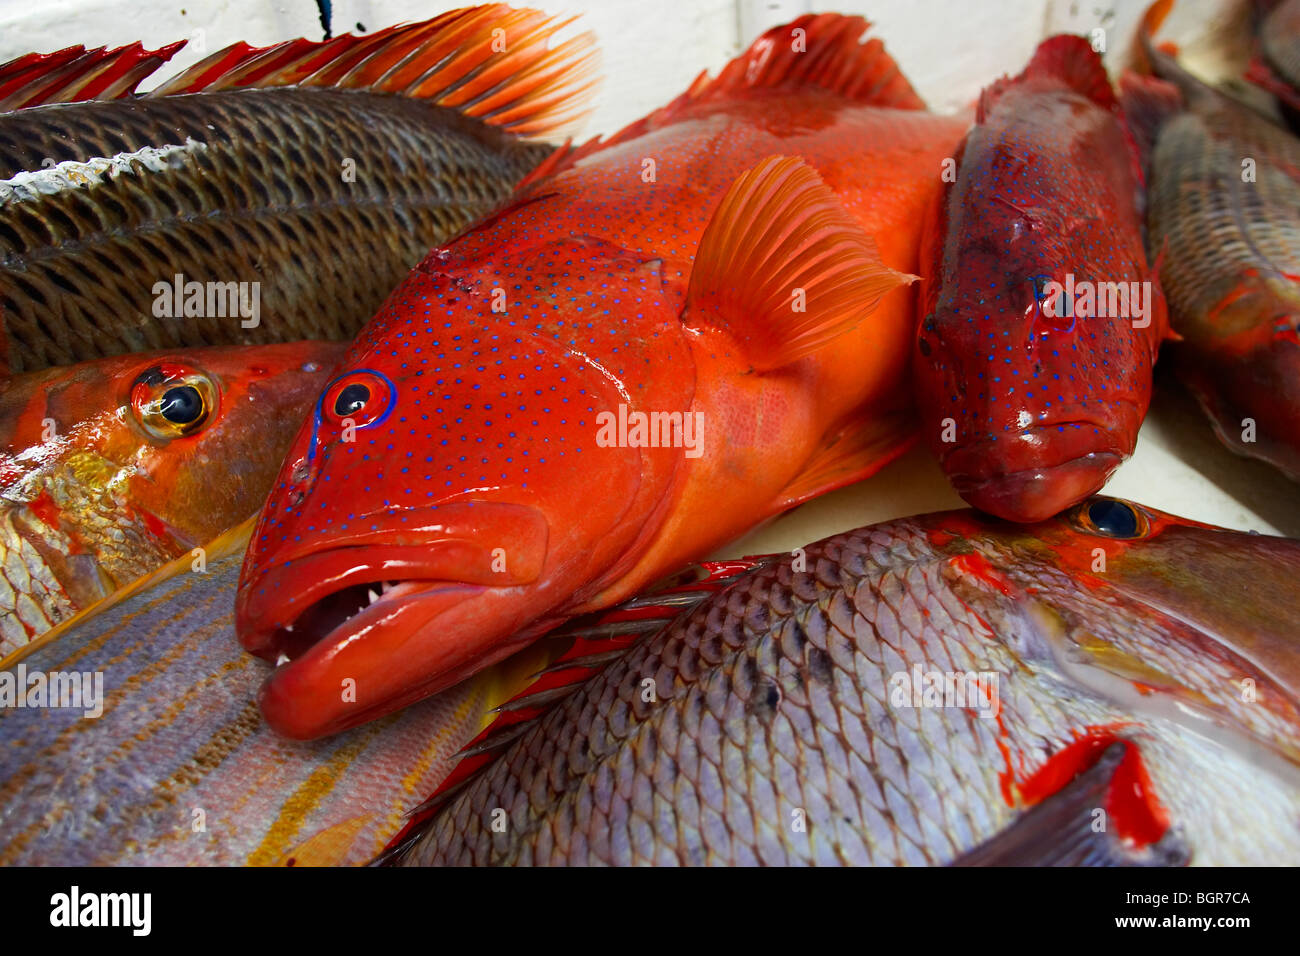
(253, 188)
(774, 706)
(98, 488)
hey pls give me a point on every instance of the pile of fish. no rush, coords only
(436, 424)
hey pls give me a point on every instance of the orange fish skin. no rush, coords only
(538, 521)
(98, 487)
(1030, 413)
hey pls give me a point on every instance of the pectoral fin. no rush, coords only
(1072, 828)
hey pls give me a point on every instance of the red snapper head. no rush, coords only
(448, 497)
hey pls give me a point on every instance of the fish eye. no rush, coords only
(358, 399)
(1111, 518)
(171, 400)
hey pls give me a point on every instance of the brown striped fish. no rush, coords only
(263, 195)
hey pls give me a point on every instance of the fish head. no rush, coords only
(175, 445)
(1169, 616)
(1028, 403)
(450, 494)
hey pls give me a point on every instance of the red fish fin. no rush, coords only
(856, 452)
(490, 62)
(75, 74)
(816, 50)
(1148, 103)
(576, 652)
(780, 240)
(1146, 54)
(1060, 830)
(1065, 57)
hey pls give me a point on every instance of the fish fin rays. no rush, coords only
(855, 453)
(75, 74)
(815, 51)
(558, 665)
(1064, 829)
(491, 62)
(1148, 102)
(783, 267)
(1065, 57)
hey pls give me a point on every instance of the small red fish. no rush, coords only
(690, 329)
(1041, 317)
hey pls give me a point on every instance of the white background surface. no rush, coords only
(652, 50)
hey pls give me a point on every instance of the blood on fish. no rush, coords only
(1139, 817)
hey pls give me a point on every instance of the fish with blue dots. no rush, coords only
(1040, 313)
(738, 262)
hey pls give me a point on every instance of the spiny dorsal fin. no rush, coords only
(75, 74)
(1067, 58)
(1148, 103)
(780, 239)
(491, 62)
(819, 51)
(589, 644)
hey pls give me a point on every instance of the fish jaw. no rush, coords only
(1036, 494)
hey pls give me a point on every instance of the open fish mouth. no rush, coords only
(345, 615)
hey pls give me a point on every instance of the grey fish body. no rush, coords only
(324, 198)
(774, 734)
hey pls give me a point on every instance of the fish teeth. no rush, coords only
(282, 659)
(372, 596)
(386, 587)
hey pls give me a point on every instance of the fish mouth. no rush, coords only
(1050, 469)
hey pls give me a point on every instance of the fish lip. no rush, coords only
(1029, 495)
(265, 622)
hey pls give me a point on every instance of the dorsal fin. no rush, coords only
(589, 644)
(1148, 103)
(491, 62)
(821, 51)
(75, 73)
(809, 271)
(1065, 57)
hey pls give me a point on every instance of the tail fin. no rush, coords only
(1070, 59)
(589, 644)
(490, 62)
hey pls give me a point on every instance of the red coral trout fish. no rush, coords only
(1041, 317)
(691, 328)
(938, 690)
(112, 468)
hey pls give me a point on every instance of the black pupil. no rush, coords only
(1114, 518)
(351, 399)
(182, 405)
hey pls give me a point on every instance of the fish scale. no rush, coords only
(226, 207)
(773, 705)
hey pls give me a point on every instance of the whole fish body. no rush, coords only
(179, 768)
(474, 475)
(1224, 206)
(1133, 711)
(263, 195)
(110, 469)
(1032, 373)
